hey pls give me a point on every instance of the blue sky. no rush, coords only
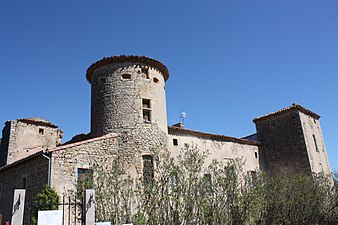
(229, 60)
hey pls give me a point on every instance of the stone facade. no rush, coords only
(24, 137)
(128, 121)
(30, 173)
(291, 139)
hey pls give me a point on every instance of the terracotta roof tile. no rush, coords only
(217, 137)
(38, 120)
(293, 107)
(132, 58)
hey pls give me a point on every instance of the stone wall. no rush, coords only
(68, 158)
(4, 143)
(27, 138)
(247, 155)
(34, 170)
(117, 93)
(315, 144)
(283, 142)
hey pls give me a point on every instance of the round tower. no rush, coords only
(127, 92)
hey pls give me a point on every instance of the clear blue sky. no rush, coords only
(229, 60)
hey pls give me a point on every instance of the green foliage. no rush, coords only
(47, 199)
(182, 192)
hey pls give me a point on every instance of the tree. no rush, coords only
(47, 199)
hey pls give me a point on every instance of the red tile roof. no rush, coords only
(132, 58)
(216, 137)
(293, 107)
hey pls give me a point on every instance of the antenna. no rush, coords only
(183, 115)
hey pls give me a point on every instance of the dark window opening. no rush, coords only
(148, 172)
(174, 181)
(155, 80)
(315, 141)
(175, 142)
(146, 103)
(102, 81)
(146, 110)
(251, 177)
(256, 155)
(146, 115)
(126, 76)
(41, 131)
(24, 182)
(84, 178)
(145, 72)
(207, 183)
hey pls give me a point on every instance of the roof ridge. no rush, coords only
(213, 136)
(294, 106)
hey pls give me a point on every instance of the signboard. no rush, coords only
(90, 207)
(50, 217)
(18, 206)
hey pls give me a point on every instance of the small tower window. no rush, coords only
(126, 76)
(175, 142)
(102, 81)
(155, 80)
(41, 131)
(315, 141)
(24, 182)
(145, 72)
(256, 155)
(146, 110)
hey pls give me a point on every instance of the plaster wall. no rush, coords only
(224, 151)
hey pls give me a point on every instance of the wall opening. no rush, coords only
(84, 178)
(146, 110)
(155, 80)
(256, 155)
(145, 72)
(315, 141)
(41, 131)
(24, 182)
(148, 172)
(175, 142)
(126, 76)
(102, 81)
(207, 182)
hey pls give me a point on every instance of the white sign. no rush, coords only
(18, 206)
(50, 217)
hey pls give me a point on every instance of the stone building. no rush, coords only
(129, 121)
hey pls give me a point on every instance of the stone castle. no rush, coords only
(129, 120)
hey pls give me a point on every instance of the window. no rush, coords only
(102, 81)
(148, 172)
(145, 72)
(251, 177)
(315, 141)
(126, 76)
(85, 178)
(174, 181)
(175, 142)
(207, 183)
(146, 110)
(24, 182)
(256, 155)
(155, 80)
(41, 131)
